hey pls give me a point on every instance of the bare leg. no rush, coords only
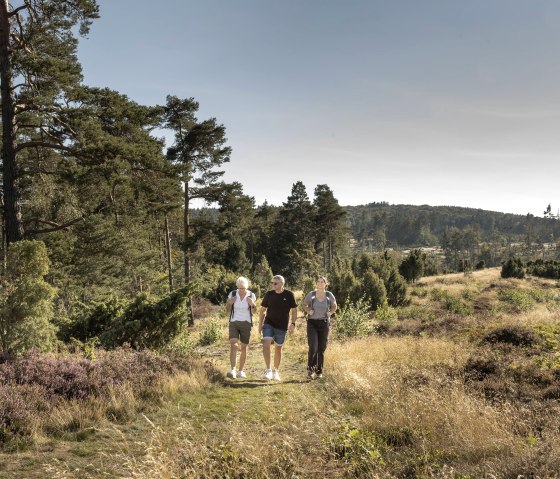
(266, 352)
(232, 352)
(242, 356)
(277, 357)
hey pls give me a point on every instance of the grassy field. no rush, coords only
(466, 384)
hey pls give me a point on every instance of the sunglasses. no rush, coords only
(274, 283)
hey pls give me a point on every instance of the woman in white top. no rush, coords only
(241, 306)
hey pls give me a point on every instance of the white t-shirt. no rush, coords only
(241, 307)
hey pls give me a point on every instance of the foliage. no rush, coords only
(149, 324)
(514, 335)
(513, 268)
(352, 319)
(386, 314)
(211, 332)
(93, 320)
(217, 283)
(412, 267)
(26, 299)
(518, 299)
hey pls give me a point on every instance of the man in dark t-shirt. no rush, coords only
(274, 321)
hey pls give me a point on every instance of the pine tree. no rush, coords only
(199, 149)
(38, 50)
(293, 236)
(331, 227)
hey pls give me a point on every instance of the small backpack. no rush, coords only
(232, 295)
(314, 295)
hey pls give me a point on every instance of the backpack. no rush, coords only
(232, 295)
(314, 295)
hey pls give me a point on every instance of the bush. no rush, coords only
(519, 300)
(211, 332)
(26, 299)
(514, 335)
(386, 314)
(352, 319)
(513, 268)
(149, 324)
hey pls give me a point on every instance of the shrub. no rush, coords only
(149, 324)
(211, 332)
(26, 299)
(412, 267)
(352, 319)
(518, 299)
(514, 335)
(386, 314)
(396, 289)
(513, 268)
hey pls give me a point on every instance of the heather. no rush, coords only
(35, 387)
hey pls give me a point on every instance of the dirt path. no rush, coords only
(259, 420)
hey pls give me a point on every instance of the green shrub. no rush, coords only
(513, 268)
(149, 324)
(437, 294)
(518, 299)
(352, 319)
(211, 332)
(26, 300)
(386, 314)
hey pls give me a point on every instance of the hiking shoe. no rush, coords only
(241, 374)
(276, 375)
(319, 376)
(310, 375)
(231, 374)
(268, 374)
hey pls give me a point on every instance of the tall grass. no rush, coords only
(410, 396)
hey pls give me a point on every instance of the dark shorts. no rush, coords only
(240, 330)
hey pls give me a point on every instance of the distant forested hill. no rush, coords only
(381, 225)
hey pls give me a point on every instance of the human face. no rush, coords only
(321, 284)
(277, 285)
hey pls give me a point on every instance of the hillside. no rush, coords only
(464, 384)
(409, 225)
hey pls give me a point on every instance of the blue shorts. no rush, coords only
(277, 335)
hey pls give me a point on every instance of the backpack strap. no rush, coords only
(232, 295)
(314, 295)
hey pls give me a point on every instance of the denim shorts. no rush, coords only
(277, 335)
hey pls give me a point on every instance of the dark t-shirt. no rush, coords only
(278, 306)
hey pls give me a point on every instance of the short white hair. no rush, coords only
(242, 281)
(279, 278)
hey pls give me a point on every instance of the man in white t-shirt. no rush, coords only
(241, 305)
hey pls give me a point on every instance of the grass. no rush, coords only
(441, 393)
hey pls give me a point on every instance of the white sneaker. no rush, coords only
(276, 376)
(231, 374)
(268, 374)
(241, 374)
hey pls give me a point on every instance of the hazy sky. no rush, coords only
(407, 101)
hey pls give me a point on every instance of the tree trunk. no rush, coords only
(12, 194)
(168, 253)
(186, 235)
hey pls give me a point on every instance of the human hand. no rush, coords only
(231, 300)
(310, 311)
(250, 302)
(291, 328)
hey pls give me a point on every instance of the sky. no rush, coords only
(438, 102)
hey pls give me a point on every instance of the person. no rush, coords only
(277, 306)
(319, 305)
(241, 305)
